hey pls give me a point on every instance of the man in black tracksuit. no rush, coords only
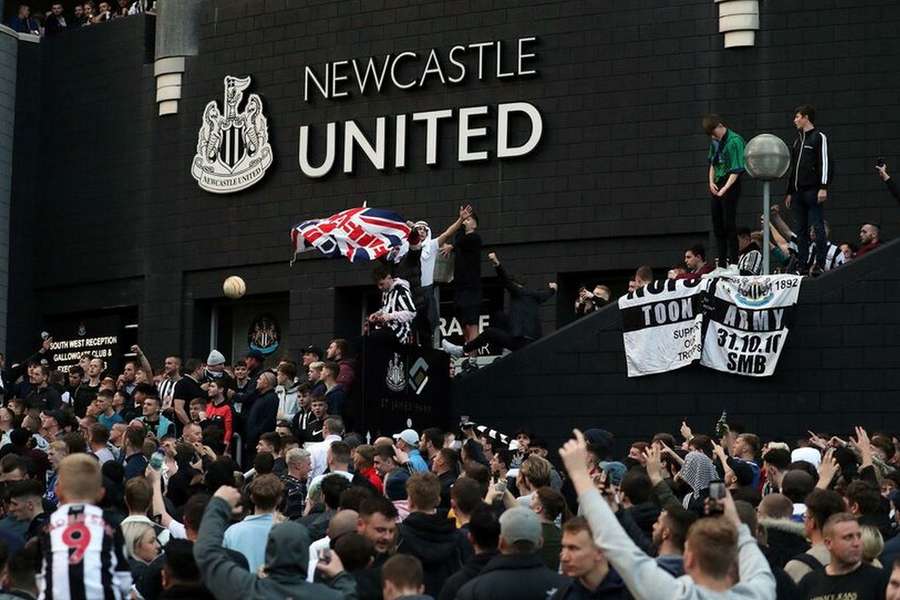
(808, 180)
(523, 324)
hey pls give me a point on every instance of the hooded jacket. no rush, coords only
(435, 541)
(785, 540)
(519, 576)
(287, 554)
(470, 571)
(261, 417)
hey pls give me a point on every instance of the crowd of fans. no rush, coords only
(129, 485)
(808, 249)
(59, 19)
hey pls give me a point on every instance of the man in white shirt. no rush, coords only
(332, 429)
(342, 523)
(428, 313)
(338, 459)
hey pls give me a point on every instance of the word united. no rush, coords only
(734, 324)
(406, 71)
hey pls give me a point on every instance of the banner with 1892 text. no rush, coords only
(748, 319)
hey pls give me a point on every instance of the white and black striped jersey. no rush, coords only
(83, 556)
(833, 255)
(166, 389)
(397, 305)
(750, 261)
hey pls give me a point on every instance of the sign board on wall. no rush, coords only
(107, 337)
(233, 150)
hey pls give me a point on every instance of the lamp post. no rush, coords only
(767, 158)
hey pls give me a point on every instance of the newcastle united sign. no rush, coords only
(233, 150)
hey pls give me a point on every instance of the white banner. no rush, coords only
(748, 319)
(661, 325)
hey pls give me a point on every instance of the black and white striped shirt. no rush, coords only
(166, 390)
(397, 305)
(750, 261)
(83, 556)
(833, 255)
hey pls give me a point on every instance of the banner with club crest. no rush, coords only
(729, 323)
(747, 323)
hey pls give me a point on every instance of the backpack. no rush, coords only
(810, 561)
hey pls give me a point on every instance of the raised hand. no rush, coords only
(653, 456)
(685, 430)
(817, 441)
(828, 468)
(574, 453)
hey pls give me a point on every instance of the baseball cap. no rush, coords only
(409, 436)
(615, 471)
(520, 524)
(313, 350)
(600, 441)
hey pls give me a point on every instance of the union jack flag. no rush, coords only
(358, 234)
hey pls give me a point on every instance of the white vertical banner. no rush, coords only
(662, 325)
(748, 320)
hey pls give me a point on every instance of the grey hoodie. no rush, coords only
(646, 579)
(287, 551)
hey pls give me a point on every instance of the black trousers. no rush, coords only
(497, 337)
(724, 220)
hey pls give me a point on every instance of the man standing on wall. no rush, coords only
(427, 316)
(807, 189)
(726, 164)
(466, 249)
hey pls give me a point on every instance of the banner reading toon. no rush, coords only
(748, 323)
(661, 325)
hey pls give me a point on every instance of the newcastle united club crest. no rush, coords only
(233, 150)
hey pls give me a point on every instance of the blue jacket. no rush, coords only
(416, 462)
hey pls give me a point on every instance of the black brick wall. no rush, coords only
(837, 370)
(618, 180)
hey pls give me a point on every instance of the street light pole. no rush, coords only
(766, 185)
(767, 158)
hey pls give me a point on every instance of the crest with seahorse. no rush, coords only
(233, 150)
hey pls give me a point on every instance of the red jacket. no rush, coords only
(372, 475)
(863, 250)
(221, 411)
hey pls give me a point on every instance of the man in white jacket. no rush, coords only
(712, 546)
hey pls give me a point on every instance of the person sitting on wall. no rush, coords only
(393, 321)
(524, 318)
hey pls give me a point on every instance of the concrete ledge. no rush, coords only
(739, 7)
(741, 22)
(169, 107)
(163, 66)
(740, 39)
(170, 92)
(167, 80)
